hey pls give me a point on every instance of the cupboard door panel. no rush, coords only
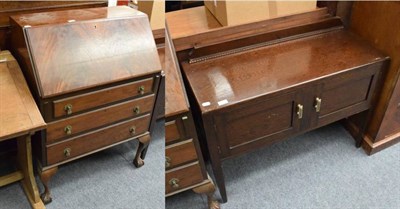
(346, 94)
(256, 123)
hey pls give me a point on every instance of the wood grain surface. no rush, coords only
(19, 114)
(231, 79)
(75, 63)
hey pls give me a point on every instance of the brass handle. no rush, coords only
(300, 111)
(68, 130)
(67, 152)
(141, 90)
(132, 130)
(167, 161)
(174, 183)
(136, 110)
(318, 102)
(68, 109)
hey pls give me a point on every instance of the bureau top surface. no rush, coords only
(175, 96)
(79, 49)
(65, 16)
(18, 111)
(230, 79)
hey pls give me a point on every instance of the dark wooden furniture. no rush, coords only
(19, 118)
(184, 164)
(95, 76)
(255, 84)
(378, 23)
(9, 8)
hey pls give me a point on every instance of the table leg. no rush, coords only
(25, 164)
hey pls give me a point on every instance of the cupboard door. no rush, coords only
(253, 124)
(345, 94)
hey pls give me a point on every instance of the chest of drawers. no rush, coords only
(255, 84)
(184, 164)
(95, 74)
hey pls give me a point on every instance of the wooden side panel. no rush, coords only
(378, 22)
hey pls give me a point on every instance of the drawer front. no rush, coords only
(98, 139)
(72, 105)
(180, 153)
(173, 132)
(254, 124)
(183, 177)
(77, 124)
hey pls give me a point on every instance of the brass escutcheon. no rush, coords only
(141, 90)
(136, 110)
(68, 130)
(132, 130)
(67, 152)
(174, 183)
(167, 161)
(68, 109)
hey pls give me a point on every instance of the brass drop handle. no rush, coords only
(67, 152)
(300, 109)
(68, 109)
(174, 183)
(136, 110)
(132, 130)
(141, 90)
(167, 162)
(317, 105)
(68, 130)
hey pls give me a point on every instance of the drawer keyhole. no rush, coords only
(67, 152)
(141, 90)
(136, 110)
(68, 109)
(132, 130)
(167, 162)
(68, 130)
(174, 182)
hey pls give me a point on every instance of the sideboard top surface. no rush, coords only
(79, 49)
(228, 80)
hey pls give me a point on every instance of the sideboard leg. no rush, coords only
(45, 177)
(143, 144)
(209, 190)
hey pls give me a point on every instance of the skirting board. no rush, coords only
(367, 144)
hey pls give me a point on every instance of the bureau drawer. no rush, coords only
(87, 121)
(76, 104)
(92, 141)
(180, 153)
(172, 132)
(183, 177)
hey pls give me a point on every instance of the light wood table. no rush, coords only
(19, 118)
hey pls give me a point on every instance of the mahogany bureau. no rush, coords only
(255, 84)
(184, 164)
(94, 74)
